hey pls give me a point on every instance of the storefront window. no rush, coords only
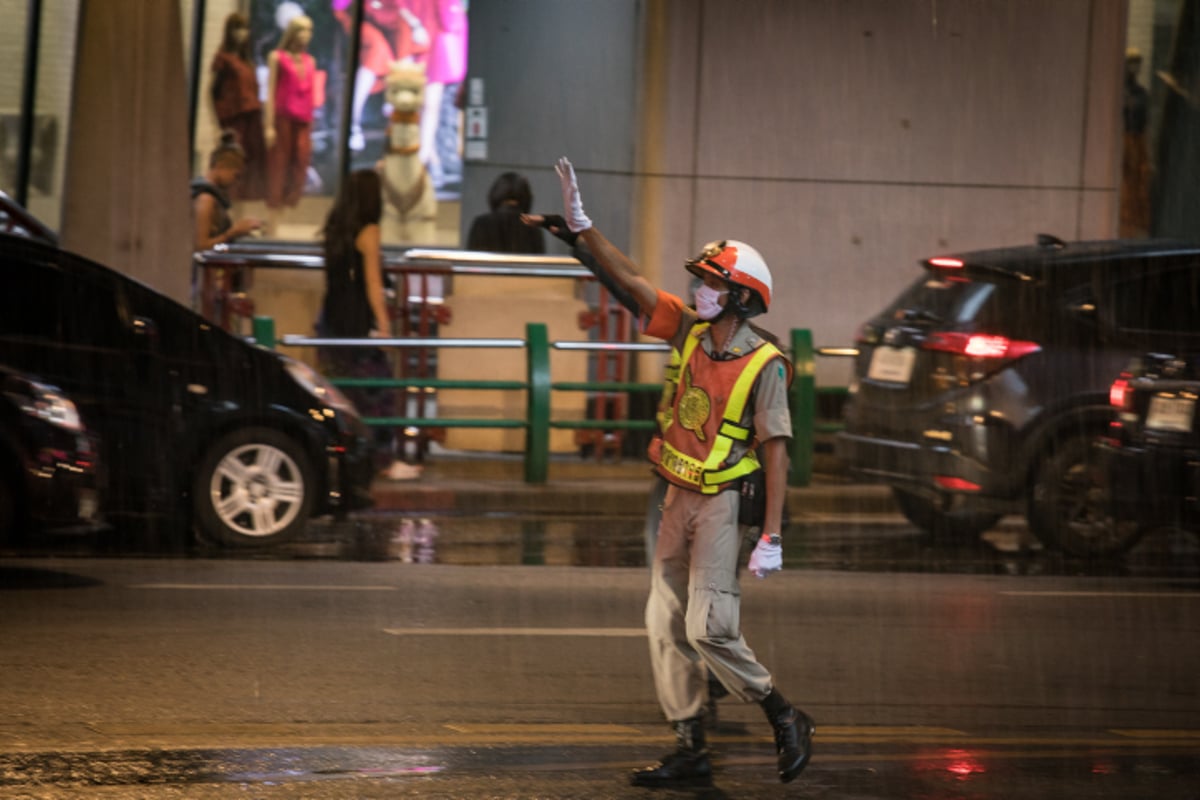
(1159, 167)
(12, 50)
(345, 126)
(52, 109)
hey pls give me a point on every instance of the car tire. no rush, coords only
(942, 525)
(1069, 507)
(9, 509)
(253, 488)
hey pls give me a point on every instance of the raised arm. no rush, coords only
(558, 227)
(610, 258)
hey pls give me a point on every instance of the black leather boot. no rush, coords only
(716, 690)
(687, 766)
(793, 735)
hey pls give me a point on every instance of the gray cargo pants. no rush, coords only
(692, 616)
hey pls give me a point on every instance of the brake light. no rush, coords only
(1119, 395)
(980, 345)
(956, 484)
(946, 263)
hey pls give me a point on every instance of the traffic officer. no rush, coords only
(731, 397)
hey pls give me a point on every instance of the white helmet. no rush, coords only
(739, 264)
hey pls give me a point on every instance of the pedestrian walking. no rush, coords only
(355, 307)
(731, 399)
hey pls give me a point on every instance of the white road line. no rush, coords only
(597, 632)
(1185, 595)
(271, 587)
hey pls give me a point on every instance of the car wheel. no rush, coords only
(1069, 507)
(8, 508)
(254, 487)
(942, 525)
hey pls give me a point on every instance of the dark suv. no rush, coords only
(197, 428)
(980, 390)
(1152, 449)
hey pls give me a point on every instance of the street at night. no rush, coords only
(327, 677)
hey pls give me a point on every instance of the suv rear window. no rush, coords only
(1158, 300)
(935, 300)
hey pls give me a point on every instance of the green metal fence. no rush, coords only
(538, 385)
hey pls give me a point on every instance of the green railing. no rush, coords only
(537, 421)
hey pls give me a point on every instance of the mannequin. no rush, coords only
(288, 118)
(390, 32)
(237, 106)
(447, 65)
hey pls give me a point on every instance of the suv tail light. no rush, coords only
(1119, 395)
(980, 345)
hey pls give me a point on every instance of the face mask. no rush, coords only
(708, 302)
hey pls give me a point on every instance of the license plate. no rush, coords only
(892, 364)
(1171, 414)
(88, 504)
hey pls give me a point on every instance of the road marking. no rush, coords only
(271, 587)
(883, 730)
(595, 632)
(554, 729)
(1064, 593)
(1157, 734)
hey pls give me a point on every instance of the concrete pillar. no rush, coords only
(126, 200)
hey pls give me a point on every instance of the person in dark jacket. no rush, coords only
(210, 197)
(501, 229)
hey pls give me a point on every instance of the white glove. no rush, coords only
(577, 221)
(766, 558)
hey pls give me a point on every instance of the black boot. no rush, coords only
(687, 766)
(716, 690)
(793, 735)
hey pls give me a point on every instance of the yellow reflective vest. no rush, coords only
(704, 421)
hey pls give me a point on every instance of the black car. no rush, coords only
(49, 475)
(1152, 450)
(197, 427)
(980, 390)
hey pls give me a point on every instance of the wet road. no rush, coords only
(321, 675)
(857, 543)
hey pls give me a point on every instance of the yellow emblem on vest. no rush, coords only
(694, 406)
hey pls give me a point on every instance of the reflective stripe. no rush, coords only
(734, 431)
(684, 467)
(747, 464)
(666, 401)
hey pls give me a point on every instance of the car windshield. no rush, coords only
(933, 299)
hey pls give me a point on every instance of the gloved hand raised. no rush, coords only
(766, 558)
(577, 221)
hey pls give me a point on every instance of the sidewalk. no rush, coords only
(492, 483)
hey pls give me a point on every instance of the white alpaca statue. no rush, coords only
(409, 196)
